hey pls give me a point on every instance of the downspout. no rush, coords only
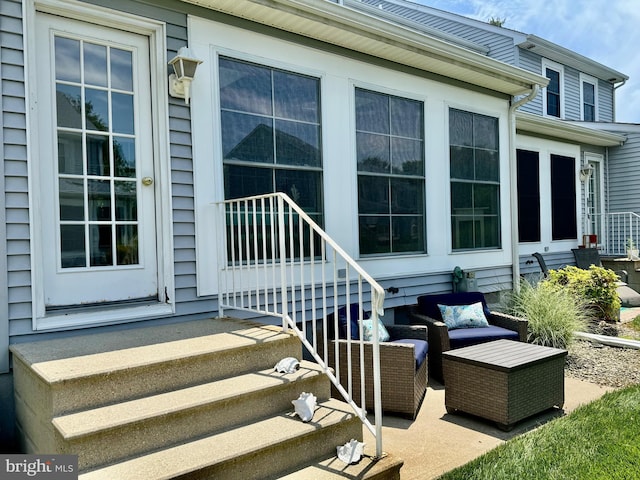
(513, 173)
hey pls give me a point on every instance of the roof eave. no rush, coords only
(561, 130)
(362, 32)
(564, 56)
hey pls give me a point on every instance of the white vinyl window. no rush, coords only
(588, 98)
(553, 94)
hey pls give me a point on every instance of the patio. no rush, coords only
(436, 442)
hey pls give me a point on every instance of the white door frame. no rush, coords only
(155, 31)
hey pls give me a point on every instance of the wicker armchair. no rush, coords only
(403, 379)
(426, 312)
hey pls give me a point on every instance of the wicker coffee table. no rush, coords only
(504, 380)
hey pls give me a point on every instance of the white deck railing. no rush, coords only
(276, 261)
(616, 229)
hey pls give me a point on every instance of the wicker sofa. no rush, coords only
(441, 339)
(403, 368)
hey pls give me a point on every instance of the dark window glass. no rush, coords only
(528, 196)
(553, 93)
(390, 159)
(564, 225)
(271, 142)
(589, 102)
(475, 180)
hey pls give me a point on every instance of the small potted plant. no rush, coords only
(632, 250)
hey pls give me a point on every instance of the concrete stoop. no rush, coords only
(197, 400)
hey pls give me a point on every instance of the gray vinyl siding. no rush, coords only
(624, 176)
(533, 63)
(605, 102)
(572, 105)
(15, 182)
(500, 46)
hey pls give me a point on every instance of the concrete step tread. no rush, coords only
(222, 447)
(76, 425)
(368, 468)
(60, 360)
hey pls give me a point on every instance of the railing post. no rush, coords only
(283, 264)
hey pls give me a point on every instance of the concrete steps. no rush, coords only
(193, 400)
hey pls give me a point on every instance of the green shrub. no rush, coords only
(597, 286)
(635, 323)
(554, 313)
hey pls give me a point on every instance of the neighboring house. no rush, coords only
(395, 126)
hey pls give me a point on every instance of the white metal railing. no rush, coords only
(615, 231)
(276, 261)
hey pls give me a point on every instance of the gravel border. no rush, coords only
(604, 365)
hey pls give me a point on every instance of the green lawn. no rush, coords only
(600, 440)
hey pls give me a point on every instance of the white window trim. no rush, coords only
(156, 32)
(560, 69)
(594, 81)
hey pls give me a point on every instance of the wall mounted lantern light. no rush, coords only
(585, 173)
(184, 66)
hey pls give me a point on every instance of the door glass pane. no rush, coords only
(127, 244)
(126, 202)
(100, 242)
(122, 113)
(68, 106)
(96, 109)
(98, 155)
(71, 196)
(67, 59)
(70, 156)
(72, 246)
(99, 192)
(124, 157)
(121, 70)
(95, 64)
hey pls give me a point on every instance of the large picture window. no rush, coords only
(564, 224)
(475, 180)
(271, 134)
(528, 196)
(391, 178)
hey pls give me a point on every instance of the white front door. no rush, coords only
(95, 211)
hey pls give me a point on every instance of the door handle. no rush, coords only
(146, 181)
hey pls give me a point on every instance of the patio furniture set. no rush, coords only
(487, 370)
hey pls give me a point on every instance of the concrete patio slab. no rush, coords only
(436, 442)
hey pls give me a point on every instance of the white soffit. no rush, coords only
(554, 128)
(345, 27)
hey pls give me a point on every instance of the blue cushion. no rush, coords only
(428, 304)
(342, 321)
(463, 316)
(464, 337)
(420, 351)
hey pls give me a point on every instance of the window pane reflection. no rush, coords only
(100, 244)
(67, 59)
(70, 157)
(98, 155)
(72, 246)
(124, 157)
(99, 192)
(127, 244)
(96, 109)
(122, 111)
(71, 197)
(121, 70)
(95, 65)
(126, 201)
(68, 106)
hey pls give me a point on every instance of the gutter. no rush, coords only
(515, 251)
